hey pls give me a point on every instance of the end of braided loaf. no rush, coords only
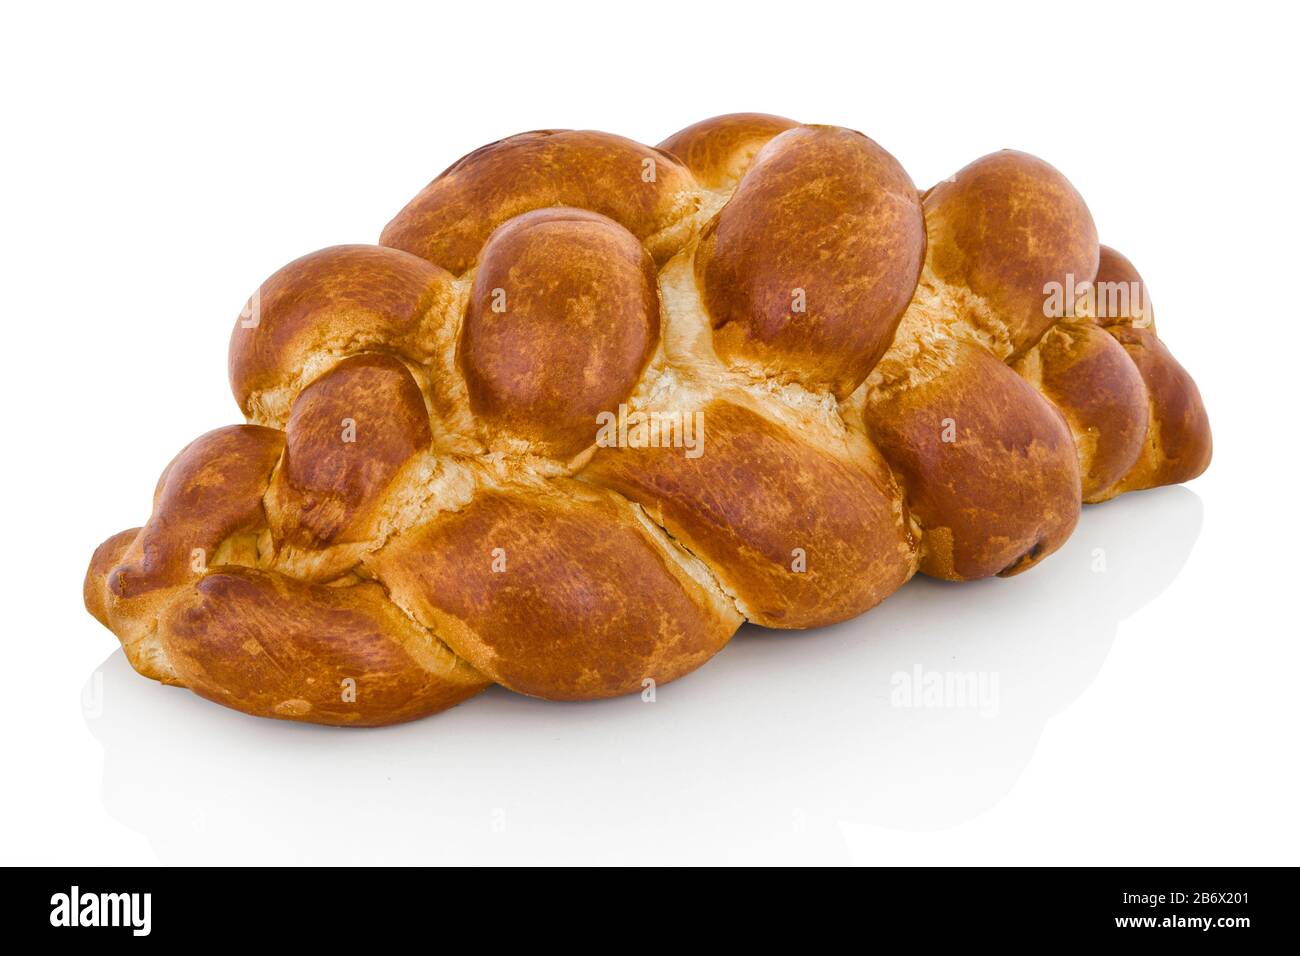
(589, 405)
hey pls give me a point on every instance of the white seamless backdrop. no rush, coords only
(159, 163)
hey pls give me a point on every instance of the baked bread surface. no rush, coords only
(589, 405)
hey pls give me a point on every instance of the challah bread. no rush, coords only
(590, 405)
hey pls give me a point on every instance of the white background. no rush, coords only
(158, 164)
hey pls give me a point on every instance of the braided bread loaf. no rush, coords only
(590, 405)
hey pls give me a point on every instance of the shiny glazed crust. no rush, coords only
(589, 405)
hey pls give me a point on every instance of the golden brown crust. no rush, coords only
(643, 189)
(348, 435)
(106, 557)
(209, 496)
(567, 597)
(563, 316)
(801, 538)
(212, 490)
(718, 151)
(336, 301)
(1178, 445)
(1086, 374)
(435, 490)
(1121, 297)
(806, 271)
(271, 646)
(1005, 227)
(989, 467)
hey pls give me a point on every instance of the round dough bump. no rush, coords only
(563, 316)
(1011, 229)
(807, 270)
